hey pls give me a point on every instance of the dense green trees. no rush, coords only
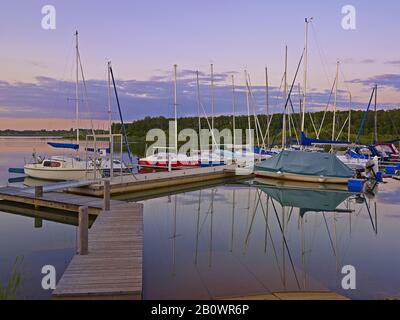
(388, 125)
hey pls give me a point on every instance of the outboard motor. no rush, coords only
(372, 168)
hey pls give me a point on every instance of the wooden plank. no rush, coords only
(113, 267)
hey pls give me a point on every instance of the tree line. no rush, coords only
(387, 128)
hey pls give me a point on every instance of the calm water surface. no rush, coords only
(227, 240)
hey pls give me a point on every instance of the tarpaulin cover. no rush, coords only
(306, 163)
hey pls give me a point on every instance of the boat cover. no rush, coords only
(61, 145)
(306, 163)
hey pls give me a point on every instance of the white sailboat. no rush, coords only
(69, 167)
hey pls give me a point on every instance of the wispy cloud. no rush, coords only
(384, 80)
(393, 62)
(368, 61)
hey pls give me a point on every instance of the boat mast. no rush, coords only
(233, 112)
(212, 98)
(109, 98)
(267, 102)
(335, 102)
(198, 106)
(175, 113)
(376, 116)
(307, 21)
(76, 87)
(248, 107)
(284, 110)
(348, 134)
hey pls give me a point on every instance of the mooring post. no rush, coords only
(83, 231)
(38, 191)
(106, 197)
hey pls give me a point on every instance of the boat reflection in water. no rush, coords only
(252, 240)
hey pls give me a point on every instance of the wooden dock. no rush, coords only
(113, 267)
(157, 181)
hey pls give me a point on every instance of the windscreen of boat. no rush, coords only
(51, 164)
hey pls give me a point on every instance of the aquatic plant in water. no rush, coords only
(9, 292)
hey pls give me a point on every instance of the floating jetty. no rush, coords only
(112, 266)
(155, 182)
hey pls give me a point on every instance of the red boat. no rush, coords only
(388, 148)
(161, 161)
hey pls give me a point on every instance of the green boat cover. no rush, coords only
(306, 163)
(307, 199)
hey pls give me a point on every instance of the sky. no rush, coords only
(144, 39)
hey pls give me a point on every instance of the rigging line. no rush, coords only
(203, 282)
(341, 130)
(254, 103)
(274, 251)
(63, 76)
(295, 131)
(277, 98)
(370, 216)
(248, 87)
(312, 122)
(258, 125)
(206, 215)
(326, 108)
(86, 93)
(252, 219)
(290, 214)
(345, 82)
(252, 273)
(329, 234)
(321, 53)
(286, 245)
(122, 120)
(293, 116)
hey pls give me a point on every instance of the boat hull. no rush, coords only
(300, 177)
(56, 174)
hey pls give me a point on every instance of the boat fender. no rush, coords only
(355, 185)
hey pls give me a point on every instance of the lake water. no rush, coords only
(229, 240)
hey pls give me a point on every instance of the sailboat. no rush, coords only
(69, 167)
(170, 159)
(306, 166)
(63, 167)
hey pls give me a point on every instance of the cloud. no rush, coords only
(393, 62)
(51, 98)
(368, 61)
(384, 80)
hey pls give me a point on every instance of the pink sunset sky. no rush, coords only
(144, 39)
